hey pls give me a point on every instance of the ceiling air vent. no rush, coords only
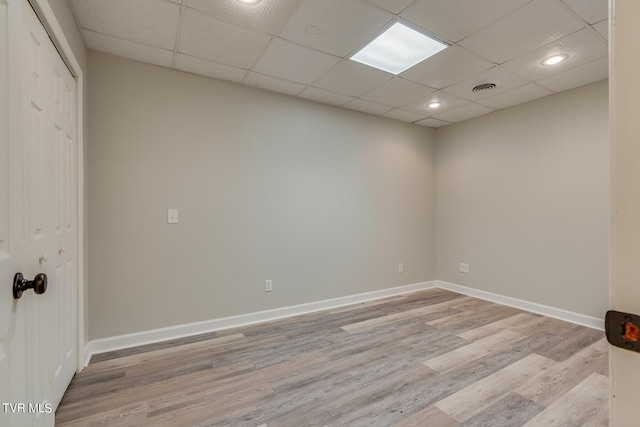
(484, 86)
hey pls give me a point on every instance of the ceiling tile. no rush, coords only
(298, 47)
(591, 11)
(273, 84)
(447, 67)
(404, 116)
(582, 46)
(150, 22)
(503, 79)
(393, 6)
(533, 25)
(454, 20)
(201, 35)
(292, 62)
(324, 96)
(602, 28)
(463, 113)
(448, 102)
(267, 16)
(396, 92)
(432, 123)
(580, 76)
(209, 69)
(127, 49)
(367, 106)
(351, 78)
(519, 95)
(334, 26)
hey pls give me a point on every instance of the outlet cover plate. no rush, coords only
(172, 216)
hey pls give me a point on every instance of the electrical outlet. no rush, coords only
(400, 268)
(464, 268)
(268, 286)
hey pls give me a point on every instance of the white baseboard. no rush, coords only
(556, 313)
(180, 331)
(86, 356)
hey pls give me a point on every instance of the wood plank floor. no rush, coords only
(430, 358)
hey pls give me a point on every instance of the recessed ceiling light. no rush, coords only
(249, 2)
(434, 105)
(398, 49)
(555, 59)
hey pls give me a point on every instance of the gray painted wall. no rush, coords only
(324, 202)
(523, 198)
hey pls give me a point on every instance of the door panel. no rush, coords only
(35, 127)
(8, 262)
(63, 219)
(51, 202)
(37, 122)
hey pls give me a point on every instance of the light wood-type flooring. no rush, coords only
(432, 358)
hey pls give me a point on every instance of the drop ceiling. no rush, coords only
(302, 48)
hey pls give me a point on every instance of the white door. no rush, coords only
(42, 230)
(625, 233)
(11, 384)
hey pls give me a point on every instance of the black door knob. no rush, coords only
(20, 284)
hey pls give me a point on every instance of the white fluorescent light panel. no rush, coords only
(398, 49)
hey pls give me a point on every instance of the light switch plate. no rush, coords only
(172, 216)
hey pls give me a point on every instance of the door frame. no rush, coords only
(54, 30)
(624, 366)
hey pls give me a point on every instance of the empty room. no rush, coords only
(319, 213)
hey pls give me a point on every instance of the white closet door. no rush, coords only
(38, 332)
(11, 386)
